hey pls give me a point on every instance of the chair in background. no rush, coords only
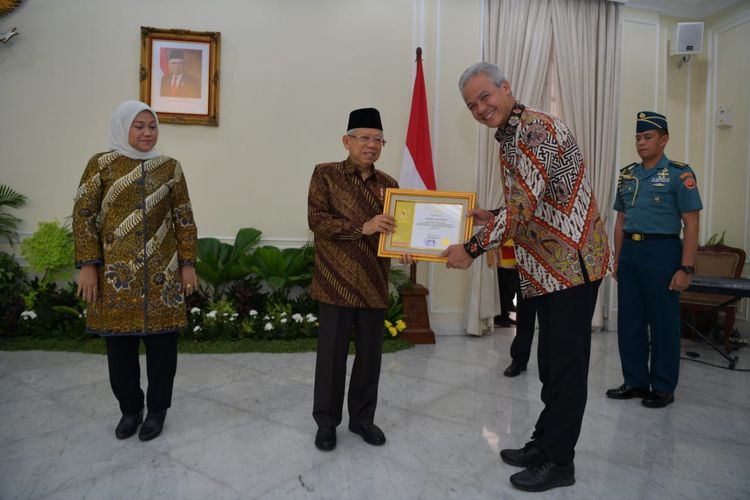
(717, 261)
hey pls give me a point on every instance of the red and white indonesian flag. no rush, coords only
(416, 169)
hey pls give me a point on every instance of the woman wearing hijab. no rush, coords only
(135, 241)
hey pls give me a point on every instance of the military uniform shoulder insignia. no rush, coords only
(677, 164)
(625, 169)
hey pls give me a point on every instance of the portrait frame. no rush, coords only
(427, 222)
(190, 97)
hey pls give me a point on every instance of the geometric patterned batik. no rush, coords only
(550, 211)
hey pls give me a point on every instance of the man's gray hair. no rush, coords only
(494, 73)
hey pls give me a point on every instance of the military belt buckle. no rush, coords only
(636, 236)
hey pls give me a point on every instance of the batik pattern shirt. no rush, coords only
(348, 271)
(550, 210)
(133, 219)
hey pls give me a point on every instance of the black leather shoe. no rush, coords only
(371, 433)
(515, 369)
(128, 425)
(527, 456)
(656, 399)
(153, 425)
(504, 321)
(544, 476)
(627, 392)
(325, 439)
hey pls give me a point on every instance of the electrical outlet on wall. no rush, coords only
(724, 116)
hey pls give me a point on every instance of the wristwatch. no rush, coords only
(687, 269)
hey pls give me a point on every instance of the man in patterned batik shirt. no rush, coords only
(562, 256)
(350, 281)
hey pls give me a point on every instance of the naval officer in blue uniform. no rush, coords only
(655, 199)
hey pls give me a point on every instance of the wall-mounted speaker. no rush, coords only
(688, 39)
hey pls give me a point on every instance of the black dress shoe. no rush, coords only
(544, 476)
(515, 369)
(128, 425)
(371, 433)
(527, 456)
(504, 322)
(153, 425)
(325, 439)
(627, 392)
(656, 399)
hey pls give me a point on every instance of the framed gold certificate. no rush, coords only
(427, 222)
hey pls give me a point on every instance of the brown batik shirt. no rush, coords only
(348, 271)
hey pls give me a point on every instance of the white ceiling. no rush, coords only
(692, 9)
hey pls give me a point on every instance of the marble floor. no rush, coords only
(240, 427)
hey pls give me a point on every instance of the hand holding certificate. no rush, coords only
(427, 222)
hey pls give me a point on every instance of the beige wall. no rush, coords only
(291, 70)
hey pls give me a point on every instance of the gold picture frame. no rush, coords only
(180, 75)
(427, 222)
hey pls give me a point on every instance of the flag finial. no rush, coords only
(419, 54)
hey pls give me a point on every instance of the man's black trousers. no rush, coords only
(336, 327)
(563, 354)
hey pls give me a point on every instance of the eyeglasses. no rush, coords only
(364, 139)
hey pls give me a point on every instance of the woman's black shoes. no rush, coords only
(128, 425)
(153, 425)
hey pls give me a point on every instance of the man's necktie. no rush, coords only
(174, 85)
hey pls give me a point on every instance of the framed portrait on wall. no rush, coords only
(180, 75)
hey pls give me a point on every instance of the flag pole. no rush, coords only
(413, 267)
(414, 295)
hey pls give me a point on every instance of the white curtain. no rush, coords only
(519, 37)
(587, 45)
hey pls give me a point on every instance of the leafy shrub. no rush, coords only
(218, 323)
(8, 222)
(52, 311)
(281, 271)
(12, 287)
(220, 264)
(245, 296)
(50, 250)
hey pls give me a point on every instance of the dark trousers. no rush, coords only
(334, 333)
(509, 287)
(563, 355)
(648, 317)
(125, 370)
(520, 349)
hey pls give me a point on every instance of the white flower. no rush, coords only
(212, 314)
(195, 310)
(84, 313)
(283, 320)
(197, 328)
(226, 314)
(233, 318)
(28, 315)
(311, 318)
(234, 315)
(266, 318)
(282, 314)
(268, 327)
(298, 318)
(253, 312)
